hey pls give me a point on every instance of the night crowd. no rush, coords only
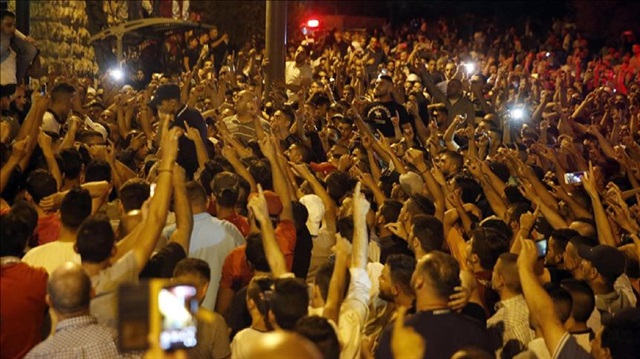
(419, 192)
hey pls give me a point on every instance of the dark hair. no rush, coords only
(97, 170)
(254, 252)
(209, 171)
(497, 224)
(27, 212)
(95, 239)
(583, 299)
(620, 334)
(133, 193)
(71, 163)
(289, 301)
(320, 332)
(60, 89)
(470, 190)
(338, 184)
(515, 211)
(429, 231)
(561, 300)
(562, 237)
(75, 207)
(345, 227)
(456, 158)
(423, 204)
(387, 179)
(488, 245)
(390, 210)
(501, 170)
(443, 272)
(41, 184)
(14, 234)
(226, 189)
(261, 171)
(196, 193)
(401, 267)
(256, 291)
(194, 266)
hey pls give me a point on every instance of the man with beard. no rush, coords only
(454, 100)
(381, 114)
(394, 285)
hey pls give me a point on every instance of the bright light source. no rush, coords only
(517, 113)
(116, 74)
(547, 54)
(470, 67)
(313, 23)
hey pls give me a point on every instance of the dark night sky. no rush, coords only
(400, 10)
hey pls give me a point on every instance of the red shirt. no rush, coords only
(48, 228)
(22, 307)
(235, 270)
(241, 222)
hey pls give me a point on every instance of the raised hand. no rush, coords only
(258, 206)
(360, 204)
(19, 148)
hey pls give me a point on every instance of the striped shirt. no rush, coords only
(244, 132)
(510, 326)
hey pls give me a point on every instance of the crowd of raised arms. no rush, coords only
(407, 193)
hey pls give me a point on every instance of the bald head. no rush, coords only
(281, 344)
(69, 289)
(246, 103)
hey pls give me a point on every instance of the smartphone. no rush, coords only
(573, 177)
(152, 189)
(178, 305)
(43, 89)
(542, 246)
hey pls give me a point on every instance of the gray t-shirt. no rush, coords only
(105, 283)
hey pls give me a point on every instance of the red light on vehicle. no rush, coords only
(313, 23)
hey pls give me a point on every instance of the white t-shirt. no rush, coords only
(51, 255)
(294, 75)
(49, 123)
(241, 342)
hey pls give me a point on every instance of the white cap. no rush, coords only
(411, 183)
(316, 209)
(413, 78)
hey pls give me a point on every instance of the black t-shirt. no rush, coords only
(379, 114)
(187, 156)
(444, 331)
(302, 254)
(193, 55)
(557, 275)
(162, 264)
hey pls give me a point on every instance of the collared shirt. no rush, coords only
(77, 338)
(510, 326)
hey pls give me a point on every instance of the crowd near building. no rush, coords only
(410, 191)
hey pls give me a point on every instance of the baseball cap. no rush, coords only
(413, 78)
(7, 90)
(164, 92)
(324, 167)
(316, 210)
(225, 182)
(273, 202)
(607, 260)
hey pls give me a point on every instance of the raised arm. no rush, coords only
(258, 206)
(182, 209)
(146, 239)
(280, 186)
(44, 141)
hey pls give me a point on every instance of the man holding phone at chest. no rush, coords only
(173, 113)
